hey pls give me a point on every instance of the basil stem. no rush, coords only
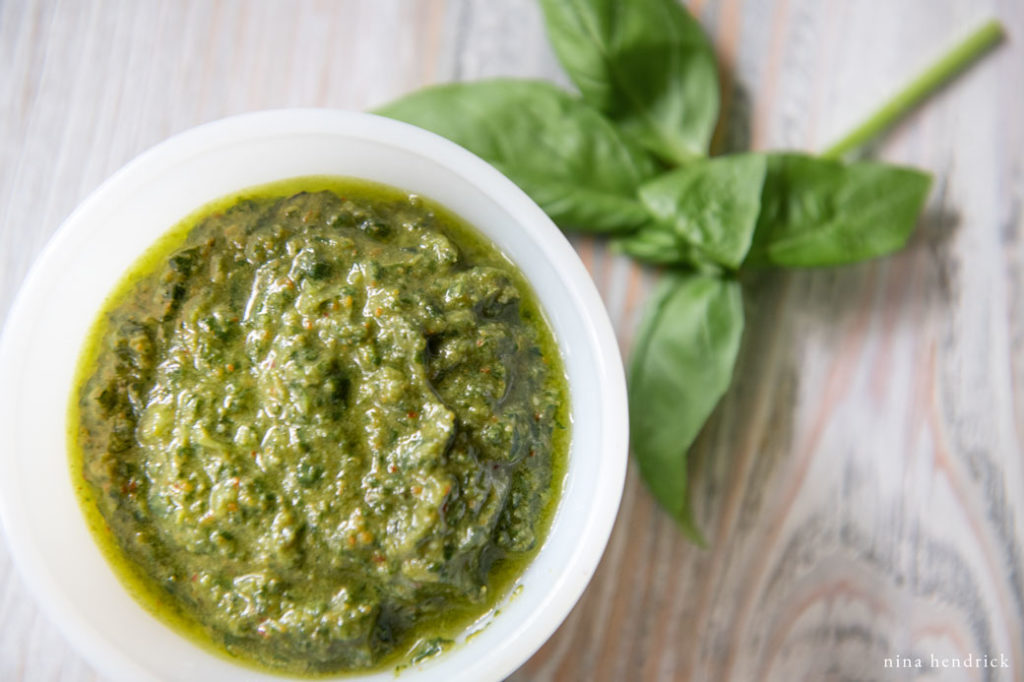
(984, 38)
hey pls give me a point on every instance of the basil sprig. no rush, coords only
(628, 157)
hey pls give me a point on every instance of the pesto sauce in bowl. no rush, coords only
(322, 426)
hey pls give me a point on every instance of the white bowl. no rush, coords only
(64, 291)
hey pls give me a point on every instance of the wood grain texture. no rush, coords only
(862, 483)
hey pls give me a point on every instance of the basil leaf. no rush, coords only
(646, 63)
(568, 157)
(712, 204)
(659, 244)
(680, 367)
(654, 243)
(817, 212)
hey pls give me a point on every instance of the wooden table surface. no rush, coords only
(863, 483)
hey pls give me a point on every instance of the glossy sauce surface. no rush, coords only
(322, 429)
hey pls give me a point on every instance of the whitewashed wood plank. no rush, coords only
(863, 481)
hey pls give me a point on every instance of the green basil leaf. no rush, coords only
(712, 204)
(818, 212)
(659, 244)
(646, 63)
(568, 157)
(654, 243)
(681, 365)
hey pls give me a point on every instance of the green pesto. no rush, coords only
(320, 426)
